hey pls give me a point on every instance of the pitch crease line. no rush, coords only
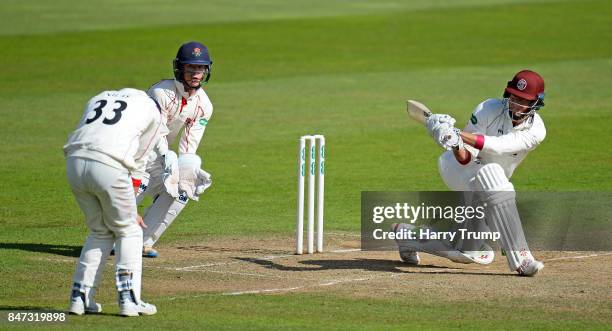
(577, 257)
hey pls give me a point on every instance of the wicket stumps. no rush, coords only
(320, 174)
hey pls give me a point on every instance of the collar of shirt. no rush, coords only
(181, 89)
(526, 124)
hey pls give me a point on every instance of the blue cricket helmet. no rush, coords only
(191, 53)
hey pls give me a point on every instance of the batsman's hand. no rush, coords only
(440, 131)
(171, 176)
(453, 140)
(435, 121)
(447, 136)
(140, 221)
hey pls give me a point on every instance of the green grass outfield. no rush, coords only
(339, 68)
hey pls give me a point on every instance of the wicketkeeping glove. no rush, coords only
(193, 180)
(171, 174)
(204, 182)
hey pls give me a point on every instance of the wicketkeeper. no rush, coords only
(187, 108)
(482, 157)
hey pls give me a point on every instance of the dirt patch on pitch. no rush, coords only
(267, 266)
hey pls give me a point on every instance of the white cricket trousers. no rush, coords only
(106, 197)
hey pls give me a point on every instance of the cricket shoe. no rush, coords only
(150, 252)
(484, 256)
(410, 257)
(77, 305)
(407, 256)
(529, 268)
(129, 308)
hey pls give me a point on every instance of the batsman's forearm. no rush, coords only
(462, 155)
(468, 138)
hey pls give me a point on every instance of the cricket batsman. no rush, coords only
(186, 112)
(482, 157)
(117, 131)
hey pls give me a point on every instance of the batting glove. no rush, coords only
(440, 132)
(436, 120)
(452, 141)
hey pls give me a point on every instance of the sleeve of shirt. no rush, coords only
(192, 135)
(167, 101)
(517, 141)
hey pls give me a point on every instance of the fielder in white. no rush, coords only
(187, 108)
(482, 157)
(113, 138)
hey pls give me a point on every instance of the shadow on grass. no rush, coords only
(64, 250)
(367, 265)
(23, 309)
(319, 265)
(46, 309)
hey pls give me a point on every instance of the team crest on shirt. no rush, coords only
(522, 84)
(197, 51)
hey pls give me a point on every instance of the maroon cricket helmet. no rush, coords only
(526, 84)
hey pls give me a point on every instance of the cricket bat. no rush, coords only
(418, 111)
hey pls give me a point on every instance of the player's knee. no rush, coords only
(491, 177)
(161, 214)
(447, 162)
(130, 230)
(494, 185)
(101, 233)
(453, 174)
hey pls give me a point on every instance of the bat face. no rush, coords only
(417, 111)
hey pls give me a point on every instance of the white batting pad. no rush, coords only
(90, 267)
(501, 213)
(160, 215)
